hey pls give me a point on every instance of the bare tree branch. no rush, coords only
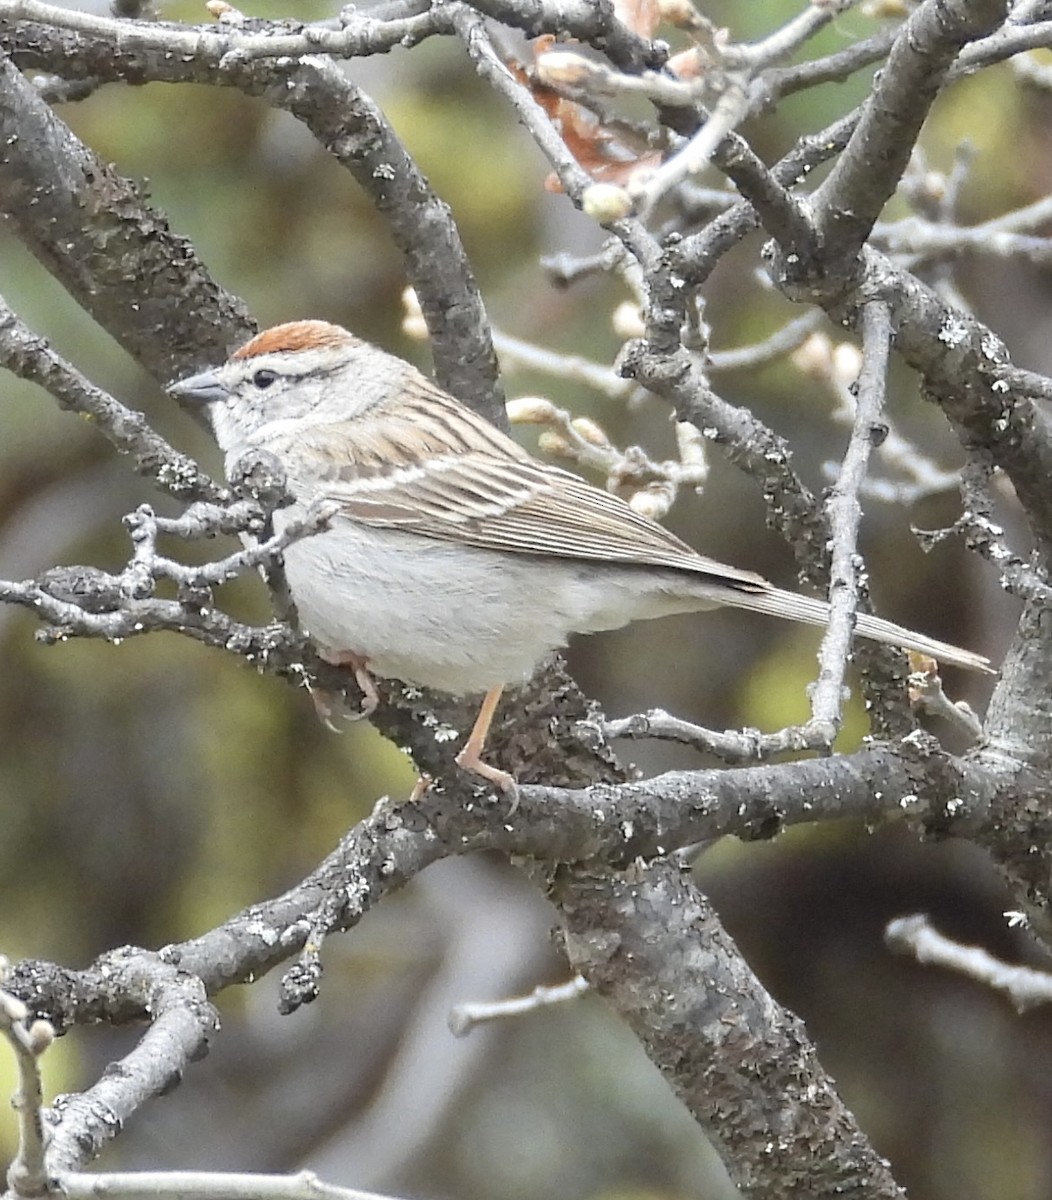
(865, 176)
(91, 229)
(379, 855)
(343, 119)
(30, 357)
(742, 1064)
(182, 1023)
(605, 849)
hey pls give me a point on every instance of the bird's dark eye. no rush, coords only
(264, 378)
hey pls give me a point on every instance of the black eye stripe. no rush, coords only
(264, 378)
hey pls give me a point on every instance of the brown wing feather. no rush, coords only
(481, 488)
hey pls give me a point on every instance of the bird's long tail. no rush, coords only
(811, 611)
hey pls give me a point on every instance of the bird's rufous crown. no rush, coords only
(296, 335)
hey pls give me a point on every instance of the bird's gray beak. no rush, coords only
(201, 389)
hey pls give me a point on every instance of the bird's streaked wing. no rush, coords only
(430, 466)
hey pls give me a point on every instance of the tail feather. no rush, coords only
(811, 611)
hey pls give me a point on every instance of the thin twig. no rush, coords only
(775, 83)
(922, 475)
(987, 537)
(811, 19)
(27, 1174)
(732, 746)
(1004, 44)
(359, 35)
(574, 179)
(30, 357)
(919, 240)
(915, 935)
(147, 565)
(1024, 382)
(584, 441)
(473, 33)
(517, 353)
(205, 1185)
(783, 341)
(465, 1017)
(927, 696)
(844, 515)
(727, 114)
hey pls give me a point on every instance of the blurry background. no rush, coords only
(150, 790)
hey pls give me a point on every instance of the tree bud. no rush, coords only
(606, 202)
(562, 68)
(530, 410)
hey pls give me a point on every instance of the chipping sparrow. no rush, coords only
(456, 560)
